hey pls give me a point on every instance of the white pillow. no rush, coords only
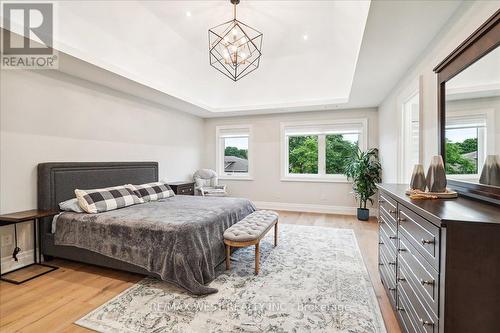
(71, 205)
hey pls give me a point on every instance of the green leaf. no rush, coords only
(364, 170)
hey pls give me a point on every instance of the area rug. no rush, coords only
(313, 281)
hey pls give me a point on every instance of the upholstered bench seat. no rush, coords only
(250, 231)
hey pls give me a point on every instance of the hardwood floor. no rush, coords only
(51, 303)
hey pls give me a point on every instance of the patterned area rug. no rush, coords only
(313, 281)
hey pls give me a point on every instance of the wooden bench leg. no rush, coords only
(257, 258)
(228, 257)
(276, 234)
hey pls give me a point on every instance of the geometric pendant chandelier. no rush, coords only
(234, 47)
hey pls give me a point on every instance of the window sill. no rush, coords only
(470, 177)
(225, 177)
(315, 179)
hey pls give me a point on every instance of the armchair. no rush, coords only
(207, 183)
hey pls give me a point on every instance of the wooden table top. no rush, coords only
(186, 182)
(444, 211)
(26, 215)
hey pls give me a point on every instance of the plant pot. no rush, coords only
(363, 214)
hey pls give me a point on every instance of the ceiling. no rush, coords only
(316, 54)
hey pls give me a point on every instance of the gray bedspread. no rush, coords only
(179, 238)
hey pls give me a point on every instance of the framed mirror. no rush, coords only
(469, 113)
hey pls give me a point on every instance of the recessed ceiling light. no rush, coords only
(305, 37)
(188, 14)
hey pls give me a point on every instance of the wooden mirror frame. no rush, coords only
(485, 39)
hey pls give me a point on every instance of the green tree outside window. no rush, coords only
(303, 154)
(233, 151)
(338, 152)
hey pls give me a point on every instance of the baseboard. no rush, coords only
(311, 208)
(24, 258)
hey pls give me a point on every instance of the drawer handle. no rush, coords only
(381, 201)
(392, 289)
(401, 219)
(392, 211)
(427, 241)
(401, 279)
(380, 243)
(426, 322)
(393, 237)
(400, 309)
(381, 221)
(402, 250)
(426, 282)
(381, 264)
(392, 263)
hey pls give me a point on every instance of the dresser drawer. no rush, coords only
(389, 229)
(422, 234)
(388, 206)
(387, 243)
(388, 278)
(422, 319)
(389, 263)
(388, 221)
(419, 274)
(406, 316)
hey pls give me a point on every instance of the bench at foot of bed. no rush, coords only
(250, 231)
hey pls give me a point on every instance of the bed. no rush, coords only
(178, 239)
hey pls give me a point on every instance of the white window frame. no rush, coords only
(486, 137)
(404, 144)
(321, 176)
(246, 131)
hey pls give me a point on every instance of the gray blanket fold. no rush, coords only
(179, 238)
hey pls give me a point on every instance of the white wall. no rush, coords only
(464, 22)
(48, 116)
(266, 188)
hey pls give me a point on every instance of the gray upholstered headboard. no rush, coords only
(57, 181)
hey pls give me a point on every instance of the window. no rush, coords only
(339, 147)
(319, 151)
(303, 154)
(465, 144)
(233, 151)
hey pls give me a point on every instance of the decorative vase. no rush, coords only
(491, 171)
(363, 214)
(436, 175)
(418, 178)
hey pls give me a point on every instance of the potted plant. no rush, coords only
(363, 169)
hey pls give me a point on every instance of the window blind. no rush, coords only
(299, 130)
(234, 132)
(465, 121)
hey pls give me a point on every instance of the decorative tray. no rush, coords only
(417, 194)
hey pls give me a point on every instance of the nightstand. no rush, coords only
(30, 215)
(182, 188)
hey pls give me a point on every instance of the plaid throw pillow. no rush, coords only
(106, 199)
(153, 191)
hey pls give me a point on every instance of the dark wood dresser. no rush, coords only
(439, 261)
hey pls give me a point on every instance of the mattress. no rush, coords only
(179, 238)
